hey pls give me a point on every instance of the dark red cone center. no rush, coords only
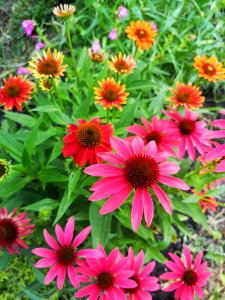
(105, 280)
(66, 255)
(190, 277)
(89, 135)
(13, 90)
(47, 67)
(8, 232)
(153, 136)
(187, 127)
(110, 95)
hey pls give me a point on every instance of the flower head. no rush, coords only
(64, 254)
(12, 229)
(187, 95)
(137, 169)
(47, 66)
(97, 55)
(145, 282)
(190, 132)
(64, 11)
(209, 68)
(28, 27)
(122, 12)
(15, 91)
(86, 140)
(122, 64)
(107, 277)
(189, 277)
(4, 168)
(110, 94)
(158, 131)
(143, 33)
(47, 85)
(113, 34)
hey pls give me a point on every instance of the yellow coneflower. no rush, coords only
(64, 12)
(122, 63)
(46, 84)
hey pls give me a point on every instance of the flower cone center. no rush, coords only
(184, 97)
(154, 136)
(190, 277)
(66, 255)
(141, 171)
(3, 170)
(110, 95)
(187, 127)
(8, 232)
(47, 67)
(120, 65)
(13, 90)
(141, 34)
(89, 135)
(105, 280)
(209, 69)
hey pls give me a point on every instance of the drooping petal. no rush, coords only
(163, 199)
(69, 230)
(51, 241)
(148, 207)
(137, 210)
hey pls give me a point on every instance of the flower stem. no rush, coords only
(107, 115)
(57, 94)
(71, 49)
(29, 111)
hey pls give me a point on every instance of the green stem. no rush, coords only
(29, 111)
(107, 115)
(57, 94)
(71, 50)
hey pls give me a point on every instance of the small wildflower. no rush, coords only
(113, 34)
(122, 12)
(28, 27)
(39, 45)
(64, 12)
(122, 64)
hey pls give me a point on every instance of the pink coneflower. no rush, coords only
(217, 156)
(145, 282)
(64, 254)
(28, 27)
(108, 277)
(13, 229)
(189, 278)
(86, 139)
(217, 134)
(113, 34)
(158, 131)
(139, 170)
(190, 132)
(122, 12)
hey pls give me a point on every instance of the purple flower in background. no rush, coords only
(34, 37)
(22, 70)
(28, 27)
(154, 26)
(96, 46)
(122, 12)
(39, 45)
(113, 34)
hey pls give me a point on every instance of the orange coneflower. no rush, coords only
(110, 94)
(143, 33)
(64, 12)
(47, 66)
(15, 91)
(122, 63)
(187, 95)
(210, 69)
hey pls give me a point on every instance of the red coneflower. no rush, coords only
(15, 91)
(187, 95)
(13, 229)
(85, 140)
(110, 94)
(209, 68)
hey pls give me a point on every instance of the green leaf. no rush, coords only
(52, 175)
(5, 260)
(56, 151)
(46, 203)
(22, 119)
(11, 145)
(100, 225)
(13, 185)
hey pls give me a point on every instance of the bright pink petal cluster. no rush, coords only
(158, 131)
(190, 133)
(145, 282)
(64, 254)
(137, 168)
(188, 277)
(217, 156)
(12, 229)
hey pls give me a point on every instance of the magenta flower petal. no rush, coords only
(60, 234)
(91, 253)
(69, 229)
(163, 199)
(61, 277)
(188, 257)
(87, 290)
(50, 240)
(52, 273)
(44, 252)
(103, 170)
(123, 149)
(174, 182)
(81, 237)
(73, 276)
(137, 210)
(148, 207)
(45, 262)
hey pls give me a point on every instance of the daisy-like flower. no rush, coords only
(187, 95)
(15, 91)
(85, 140)
(110, 94)
(97, 55)
(47, 66)
(46, 84)
(64, 254)
(189, 132)
(12, 230)
(217, 156)
(64, 11)
(158, 131)
(4, 168)
(188, 277)
(145, 282)
(122, 64)
(138, 170)
(209, 68)
(108, 277)
(143, 33)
